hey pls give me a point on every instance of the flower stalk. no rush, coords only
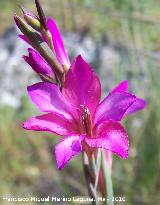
(98, 167)
(108, 181)
(88, 167)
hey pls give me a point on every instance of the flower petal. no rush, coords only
(59, 48)
(51, 122)
(139, 104)
(114, 106)
(48, 98)
(25, 39)
(82, 85)
(68, 148)
(38, 64)
(111, 136)
(121, 87)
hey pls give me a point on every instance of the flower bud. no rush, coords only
(37, 42)
(41, 14)
(31, 19)
(39, 65)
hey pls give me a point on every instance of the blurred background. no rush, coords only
(121, 40)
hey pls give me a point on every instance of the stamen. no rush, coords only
(86, 120)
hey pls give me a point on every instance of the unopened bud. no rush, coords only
(37, 42)
(41, 14)
(31, 19)
(49, 39)
(39, 65)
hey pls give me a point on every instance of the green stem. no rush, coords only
(98, 165)
(108, 181)
(90, 177)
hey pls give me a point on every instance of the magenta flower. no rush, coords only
(77, 114)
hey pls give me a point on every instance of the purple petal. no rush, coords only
(49, 98)
(16, 20)
(51, 122)
(82, 86)
(38, 64)
(24, 39)
(114, 106)
(59, 48)
(121, 87)
(111, 136)
(139, 104)
(68, 148)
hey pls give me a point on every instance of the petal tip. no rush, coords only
(124, 155)
(60, 167)
(60, 164)
(25, 57)
(80, 58)
(25, 125)
(36, 85)
(144, 103)
(50, 19)
(30, 50)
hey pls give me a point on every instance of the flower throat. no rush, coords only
(85, 120)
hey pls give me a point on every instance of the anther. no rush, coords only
(86, 120)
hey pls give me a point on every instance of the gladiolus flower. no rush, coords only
(77, 114)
